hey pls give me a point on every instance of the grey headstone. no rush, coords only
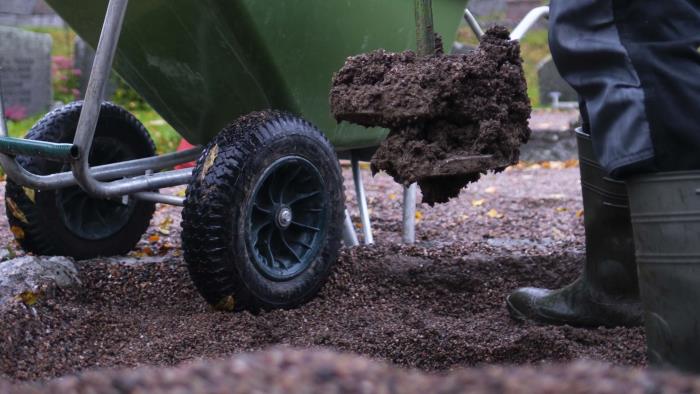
(83, 57)
(25, 69)
(551, 81)
(21, 7)
(32, 273)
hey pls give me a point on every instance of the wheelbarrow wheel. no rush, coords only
(68, 222)
(263, 215)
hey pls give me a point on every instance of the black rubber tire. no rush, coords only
(37, 218)
(214, 221)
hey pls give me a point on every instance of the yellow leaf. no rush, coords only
(154, 238)
(419, 215)
(164, 226)
(490, 189)
(579, 213)
(15, 211)
(392, 196)
(18, 232)
(29, 298)
(226, 304)
(478, 203)
(181, 193)
(30, 193)
(561, 209)
(494, 214)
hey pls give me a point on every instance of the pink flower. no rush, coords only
(77, 72)
(16, 112)
(75, 92)
(62, 62)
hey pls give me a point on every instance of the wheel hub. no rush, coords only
(284, 217)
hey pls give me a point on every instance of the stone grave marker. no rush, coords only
(25, 70)
(551, 81)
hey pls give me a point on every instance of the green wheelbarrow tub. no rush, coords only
(203, 63)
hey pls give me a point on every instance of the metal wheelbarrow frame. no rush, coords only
(140, 179)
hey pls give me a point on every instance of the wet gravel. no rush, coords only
(436, 306)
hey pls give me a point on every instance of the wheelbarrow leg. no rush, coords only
(349, 235)
(361, 201)
(409, 214)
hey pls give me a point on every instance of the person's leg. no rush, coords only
(606, 294)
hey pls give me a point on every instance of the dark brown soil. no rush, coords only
(296, 371)
(438, 305)
(452, 117)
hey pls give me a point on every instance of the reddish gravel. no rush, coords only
(436, 306)
(295, 371)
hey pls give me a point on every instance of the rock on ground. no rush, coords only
(31, 276)
(298, 371)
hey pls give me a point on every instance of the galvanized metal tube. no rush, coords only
(425, 31)
(409, 214)
(528, 21)
(425, 35)
(362, 202)
(473, 23)
(102, 66)
(160, 198)
(349, 235)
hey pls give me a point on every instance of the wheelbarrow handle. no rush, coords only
(523, 27)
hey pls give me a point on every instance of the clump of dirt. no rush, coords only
(298, 371)
(452, 117)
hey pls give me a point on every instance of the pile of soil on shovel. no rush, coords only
(297, 371)
(452, 117)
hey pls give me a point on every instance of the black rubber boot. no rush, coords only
(607, 293)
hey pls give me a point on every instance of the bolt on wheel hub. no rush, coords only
(284, 217)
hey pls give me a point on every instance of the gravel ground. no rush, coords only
(436, 306)
(296, 371)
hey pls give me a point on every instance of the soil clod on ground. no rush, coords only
(451, 117)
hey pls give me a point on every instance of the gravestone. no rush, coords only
(21, 7)
(25, 70)
(551, 81)
(83, 57)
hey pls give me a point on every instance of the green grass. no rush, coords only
(165, 137)
(63, 39)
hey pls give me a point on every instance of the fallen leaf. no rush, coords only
(392, 196)
(478, 203)
(561, 209)
(579, 213)
(164, 226)
(419, 215)
(490, 189)
(181, 193)
(494, 214)
(154, 238)
(28, 297)
(15, 211)
(18, 232)
(30, 193)
(226, 304)
(571, 163)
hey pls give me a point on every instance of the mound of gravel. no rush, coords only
(298, 371)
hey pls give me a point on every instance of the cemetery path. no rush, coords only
(436, 305)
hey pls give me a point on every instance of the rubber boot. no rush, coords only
(666, 220)
(607, 293)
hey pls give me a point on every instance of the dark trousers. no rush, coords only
(636, 67)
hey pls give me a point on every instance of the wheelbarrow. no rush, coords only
(245, 81)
